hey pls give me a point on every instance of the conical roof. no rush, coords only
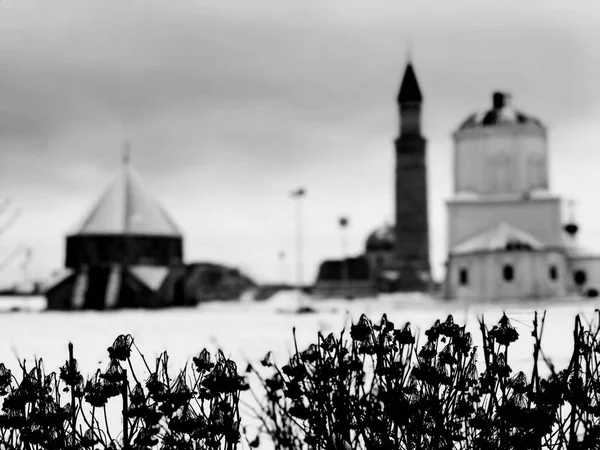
(127, 208)
(409, 90)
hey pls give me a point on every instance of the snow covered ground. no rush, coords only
(246, 330)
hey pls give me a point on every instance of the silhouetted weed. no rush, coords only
(168, 412)
(377, 389)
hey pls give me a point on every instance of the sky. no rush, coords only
(229, 106)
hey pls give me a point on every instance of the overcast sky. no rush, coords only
(229, 105)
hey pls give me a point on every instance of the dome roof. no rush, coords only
(501, 113)
(382, 239)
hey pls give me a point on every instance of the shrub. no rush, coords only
(378, 389)
(372, 387)
(195, 409)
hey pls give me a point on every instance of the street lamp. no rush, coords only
(298, 195)
(343, 222)
(25, 266)
(282, 267)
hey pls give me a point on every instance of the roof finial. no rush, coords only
(126, 152)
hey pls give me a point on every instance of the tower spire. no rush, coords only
(409, 89)
(412, 225)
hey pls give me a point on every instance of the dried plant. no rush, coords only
(197, 409)
(378, 389)
(374, 387)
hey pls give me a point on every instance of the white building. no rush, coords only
(505, 232)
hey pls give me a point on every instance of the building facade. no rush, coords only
(411, 261)
(396, 256)
(126, 252)
(506, 235)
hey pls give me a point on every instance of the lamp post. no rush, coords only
(343, 222)
(298, 195)
(25, 266)
(282, 267)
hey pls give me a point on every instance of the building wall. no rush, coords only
(412, 226)
(539, 217)
(378, 260)
(59, 296)
(506, 159)
(590, 266)
(343, 289)
(486, 281)
(96, 250)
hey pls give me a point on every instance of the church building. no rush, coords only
(506, 235)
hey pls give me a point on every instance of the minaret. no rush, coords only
(412, 225)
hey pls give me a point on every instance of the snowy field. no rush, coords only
(247, 330)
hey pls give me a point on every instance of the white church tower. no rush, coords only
(501, 174)
(505, 231)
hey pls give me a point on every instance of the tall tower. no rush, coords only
(412, 225)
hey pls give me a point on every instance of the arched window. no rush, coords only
(553, 272)
(580, 277)
(508, 273)
(463, 277)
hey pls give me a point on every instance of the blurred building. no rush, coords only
(396, 256)
(128, 252)
(506, 234)
(349, 277)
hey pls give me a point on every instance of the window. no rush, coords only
(580, 277)
(553, 272)
(508, 272)
(463, 277)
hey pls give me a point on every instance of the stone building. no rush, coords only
(127, 252)
(506, 234)
(397, 256)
